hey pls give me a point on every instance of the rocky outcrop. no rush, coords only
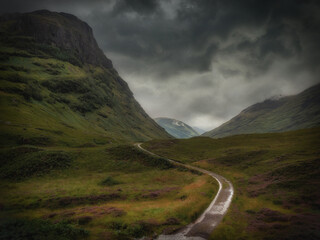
(62, 30)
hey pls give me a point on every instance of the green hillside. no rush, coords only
(176, 128)
(276, 178)
(58, 88)
(68, 169)
(275, 115)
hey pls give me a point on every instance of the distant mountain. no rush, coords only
(199, 130)
(176, 128)
(57, 86)
(275, 115)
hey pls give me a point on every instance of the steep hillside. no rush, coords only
(176, 128)
(57, 86)
(275, 115)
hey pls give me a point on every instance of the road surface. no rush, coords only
(211, 217)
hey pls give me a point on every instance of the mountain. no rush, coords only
(58, 87)
(199, 130)
(275, 115)
(176, 128)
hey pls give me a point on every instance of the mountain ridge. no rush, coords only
(176, 128)
(275, 115)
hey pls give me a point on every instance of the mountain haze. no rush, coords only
(199, 130)
(275, 115)
(57, 86)
(177, 128)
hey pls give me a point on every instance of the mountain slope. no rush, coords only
(176, 128)
(275, 115)
(199, 130)
(57, 86)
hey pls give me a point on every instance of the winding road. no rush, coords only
(211, 217)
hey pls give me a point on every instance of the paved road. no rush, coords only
(211, 217)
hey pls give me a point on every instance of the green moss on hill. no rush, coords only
(65, 93)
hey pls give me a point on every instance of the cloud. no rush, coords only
(202, 61)
(143, 7)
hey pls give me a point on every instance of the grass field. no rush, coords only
(275, 176)
(114, 192)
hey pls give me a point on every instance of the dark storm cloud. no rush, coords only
(203, 55)
(190, 40)
(141, 7)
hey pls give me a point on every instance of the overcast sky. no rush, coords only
(201, 61)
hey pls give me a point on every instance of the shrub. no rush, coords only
(4, 57)
(37, 229)
(81, 107)
(25, 164)
(32, 92)
(37, 141)
(65, 86)
(92, 100)
(136, 230)
(52, 71)
(16, 78)
(29, 92)
(109, 181)
(102, 115)
(58, 97)
(19, 68)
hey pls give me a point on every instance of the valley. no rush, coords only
(81, 159)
